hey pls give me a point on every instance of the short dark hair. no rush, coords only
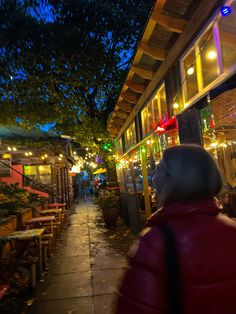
(190, 173)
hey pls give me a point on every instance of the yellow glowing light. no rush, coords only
(148, 142)
(59, 158)
(61, 155)
(86, 148)
(43, 157)
(9, 148)
(211, 54)
(175, 105)
(30, 153)
(190, 71)
(214, 144)
(6, 156)
(26, 154)
(14, 148)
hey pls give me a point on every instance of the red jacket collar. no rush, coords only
(173, 211)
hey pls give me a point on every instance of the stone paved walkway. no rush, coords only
(86, 266)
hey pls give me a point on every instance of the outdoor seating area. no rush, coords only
(24, 251)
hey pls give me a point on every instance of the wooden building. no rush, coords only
(180, 88)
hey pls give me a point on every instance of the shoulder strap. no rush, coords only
(172, 272)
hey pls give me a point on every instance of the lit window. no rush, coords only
(227, 29)
(190, 75)
(208, 53)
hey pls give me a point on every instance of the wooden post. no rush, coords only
(143, 155)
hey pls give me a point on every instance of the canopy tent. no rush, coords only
(13, 132)
(100, 170)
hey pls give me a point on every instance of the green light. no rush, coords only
(143, 150)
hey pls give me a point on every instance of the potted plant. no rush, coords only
(108, 201)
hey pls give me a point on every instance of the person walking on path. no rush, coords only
(188, 239)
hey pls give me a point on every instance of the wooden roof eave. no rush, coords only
(142, 48)
(198, 19)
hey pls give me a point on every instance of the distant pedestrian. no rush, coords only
(184, 261)
(84, 187)
(75, 190)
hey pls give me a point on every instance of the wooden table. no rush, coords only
(26, 235)
(42, 221)
(58, 212)
(57, 205)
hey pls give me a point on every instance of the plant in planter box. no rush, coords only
(109, 201)
(14, 199)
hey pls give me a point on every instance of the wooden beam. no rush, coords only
(147, 74)
(173, 24)
(153, 52)
(138, 88)
(117, 125)
(112, 130)
(125, 106)
(117, 121)
(130, 98)
(121, 114)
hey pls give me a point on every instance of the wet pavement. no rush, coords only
(86, 266)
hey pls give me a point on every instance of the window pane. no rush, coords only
(133, 132)
(190, 75)
(155, 112)
(227, 28)
(219, 134)
(162, 97)
(119, 148)
(38, 173)
(150, 124)
(208, 58)
(144, 121)
(138, 172)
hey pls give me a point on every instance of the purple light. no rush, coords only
(225, 10)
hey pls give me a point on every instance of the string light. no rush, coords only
(190, 71)
(211, 55)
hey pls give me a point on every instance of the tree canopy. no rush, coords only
(64, 62)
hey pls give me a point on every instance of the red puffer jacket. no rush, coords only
(206, 244)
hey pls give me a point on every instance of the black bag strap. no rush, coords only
(172, 272)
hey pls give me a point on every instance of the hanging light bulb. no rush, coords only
(190, 71)
(211, 55)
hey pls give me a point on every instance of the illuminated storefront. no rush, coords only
(189, 98)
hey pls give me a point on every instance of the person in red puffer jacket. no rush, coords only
(187, 179)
